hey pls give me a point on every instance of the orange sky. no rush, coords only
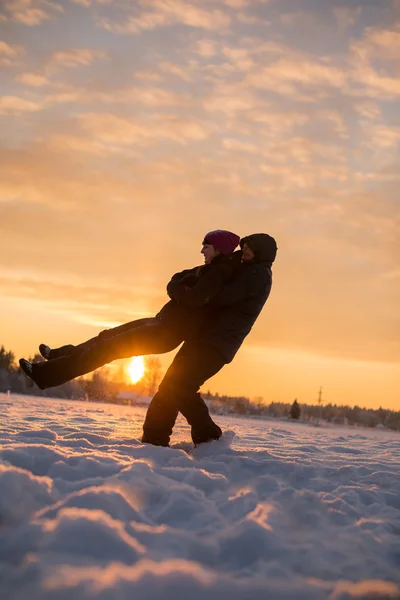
(129, 129)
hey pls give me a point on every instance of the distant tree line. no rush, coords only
(13, 379)
(330, 413)
(102, 386)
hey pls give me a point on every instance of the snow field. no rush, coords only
(273, 509)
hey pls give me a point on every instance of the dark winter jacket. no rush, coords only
(192, 289)
(237, 306)
(196, 287)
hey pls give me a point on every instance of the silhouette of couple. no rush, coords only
(212, 308)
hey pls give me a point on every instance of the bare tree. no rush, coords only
(152, 376)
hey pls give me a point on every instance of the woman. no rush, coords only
(178, 320)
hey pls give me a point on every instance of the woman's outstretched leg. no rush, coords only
(152, 338)
(53, 353)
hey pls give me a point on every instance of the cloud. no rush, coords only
(88, 3)
(249, 20)
(149, 96)
(235, 3)
(194, 16)
(169, 12)
(8, 53)
(310, 178)
(146, 21)
(240, 57)
(117, 133)
(85, 302)
(374, 85)
(75, 57)
(12, 105)
(255, 64)
(232, 144)
(249, 112)
(285, 75)
(380, 80)
(306, 152)
(32, 12)
(181, 72)
(59, 60)
(384, 137)
(59, 93)
(283, 70)
(15, 105)
(33, 79)
(206, 48)
(230, 99)
(368, 110)
(383, 43)
(279, 119)
(338, 121)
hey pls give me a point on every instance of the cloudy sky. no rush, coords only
(130, 128)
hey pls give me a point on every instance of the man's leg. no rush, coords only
(106, 334)
(152, 338)
(179, 391)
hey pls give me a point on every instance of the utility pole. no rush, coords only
(320, 396)
(320, 402)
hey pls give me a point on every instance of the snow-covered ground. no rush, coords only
(280, 510)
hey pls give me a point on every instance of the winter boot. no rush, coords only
(206, 433)
(45, 351)
(155, 440)
(28, 369)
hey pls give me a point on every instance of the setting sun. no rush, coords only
(136, 369)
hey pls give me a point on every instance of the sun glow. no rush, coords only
(136, 369)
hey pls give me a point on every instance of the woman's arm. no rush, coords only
(207, 286)
(187, 277)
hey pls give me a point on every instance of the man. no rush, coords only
(231, 315)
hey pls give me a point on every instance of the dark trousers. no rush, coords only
(145, 336)
(179, 391)
(106, 334)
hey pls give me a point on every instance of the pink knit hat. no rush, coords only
(222, 240)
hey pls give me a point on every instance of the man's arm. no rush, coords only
(247, 285)
(203, 291)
